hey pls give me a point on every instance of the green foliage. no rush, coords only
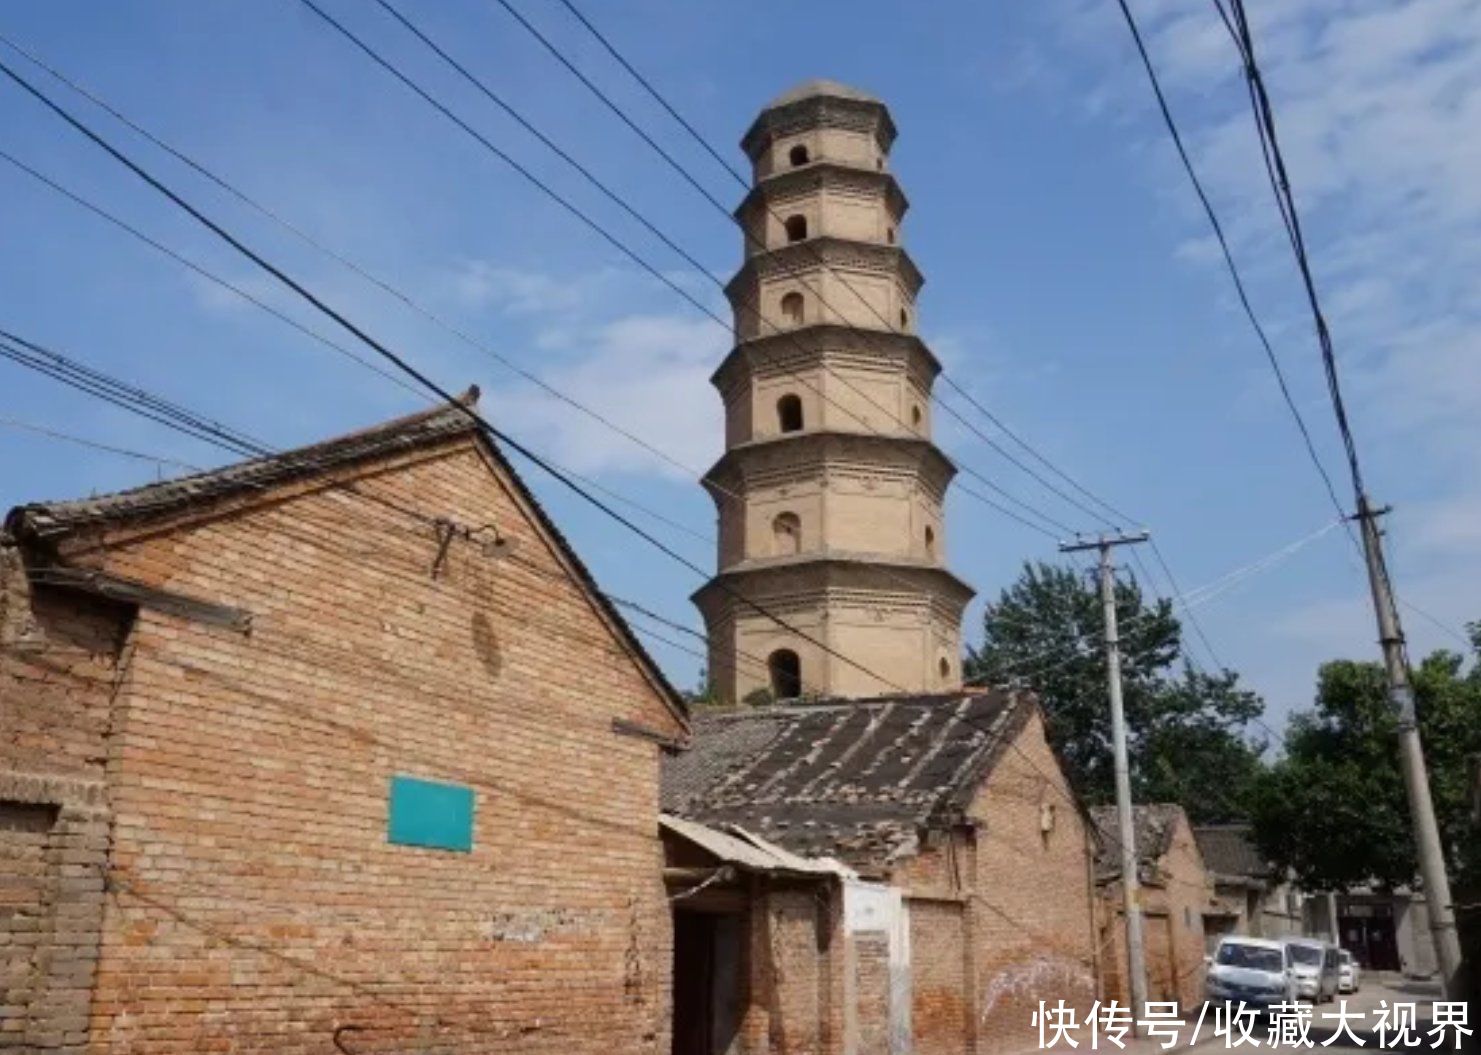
(1185, 729)
(762, 697)
(1335, 808)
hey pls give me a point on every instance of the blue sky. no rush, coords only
(1071, 282)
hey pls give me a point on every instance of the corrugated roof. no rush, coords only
(859, 780)
(749, 851)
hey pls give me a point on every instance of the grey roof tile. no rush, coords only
(859, 780)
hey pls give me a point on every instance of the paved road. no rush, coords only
(1380, 994)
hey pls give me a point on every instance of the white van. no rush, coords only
(1252, 971)
(1316, 967)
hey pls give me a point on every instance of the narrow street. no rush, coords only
(1371, 1009)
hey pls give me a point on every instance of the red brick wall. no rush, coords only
(939, 1012)
(1172, 926)
(1033, 915)
(256, 904)
(59, 661)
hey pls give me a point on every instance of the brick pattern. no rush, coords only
(1173, 934)
(59, 657)
(939, 1013)
(872, 987)
(255, 904)
(798, 973)
(27, 891)
(1034, 931)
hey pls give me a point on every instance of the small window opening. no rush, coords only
(889, 235)
(786, 534)
(792, 308)
(930, 539)
(915, 415)
(879, 163)
(786, 674)
(798, 155)
(944, 667)
(796, 228)
(789, 413)
(904, 318)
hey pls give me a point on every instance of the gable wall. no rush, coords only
(255, 900)
(1172, 925)
(1033, 928)
(60, 656)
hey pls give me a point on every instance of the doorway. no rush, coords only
(1368, 933)
(707, 982)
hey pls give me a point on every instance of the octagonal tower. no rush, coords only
(830, 490)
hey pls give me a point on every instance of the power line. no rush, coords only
(427, 97)
(1178, 594)
(752, 240)
(302, 235)
(360, 270)
(1095, 514)
(1270, 141)
(348, 353)
(1228, 254)
(411, 371)
(319, 338)
(842, 278)
(41, 430)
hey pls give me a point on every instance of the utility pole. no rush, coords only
(1411, 754)
(1136, 957)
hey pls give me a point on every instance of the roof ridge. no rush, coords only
(49, 518)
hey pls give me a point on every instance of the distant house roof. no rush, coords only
(47, 523)
(1153, 826)
(859, 780)
(1229, 851)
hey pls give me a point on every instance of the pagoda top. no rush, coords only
(821, 87)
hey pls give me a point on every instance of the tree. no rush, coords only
(1185, 728)
(1335, 809)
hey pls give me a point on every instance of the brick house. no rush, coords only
(958, 891)
(1250, 897)
(335, 746)
(1176, 893)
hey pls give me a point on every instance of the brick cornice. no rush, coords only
(826, 253)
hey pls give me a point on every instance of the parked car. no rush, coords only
(1315, 968)
(1350, 975)
(1252, 971)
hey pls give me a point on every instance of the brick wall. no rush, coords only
(872, 989)
(939, 1013)
(1033, 911)
(255, 903)
(59, 662)
(1172, 925)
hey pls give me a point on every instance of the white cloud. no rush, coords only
(649, 375)
(1378, 105)
(480, 285)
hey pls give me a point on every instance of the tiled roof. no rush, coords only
(46, 521)
(859, 780)
(1152, 831)
(1229, 850)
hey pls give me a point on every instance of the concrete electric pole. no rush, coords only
(1136, 958)
(1411, 754)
